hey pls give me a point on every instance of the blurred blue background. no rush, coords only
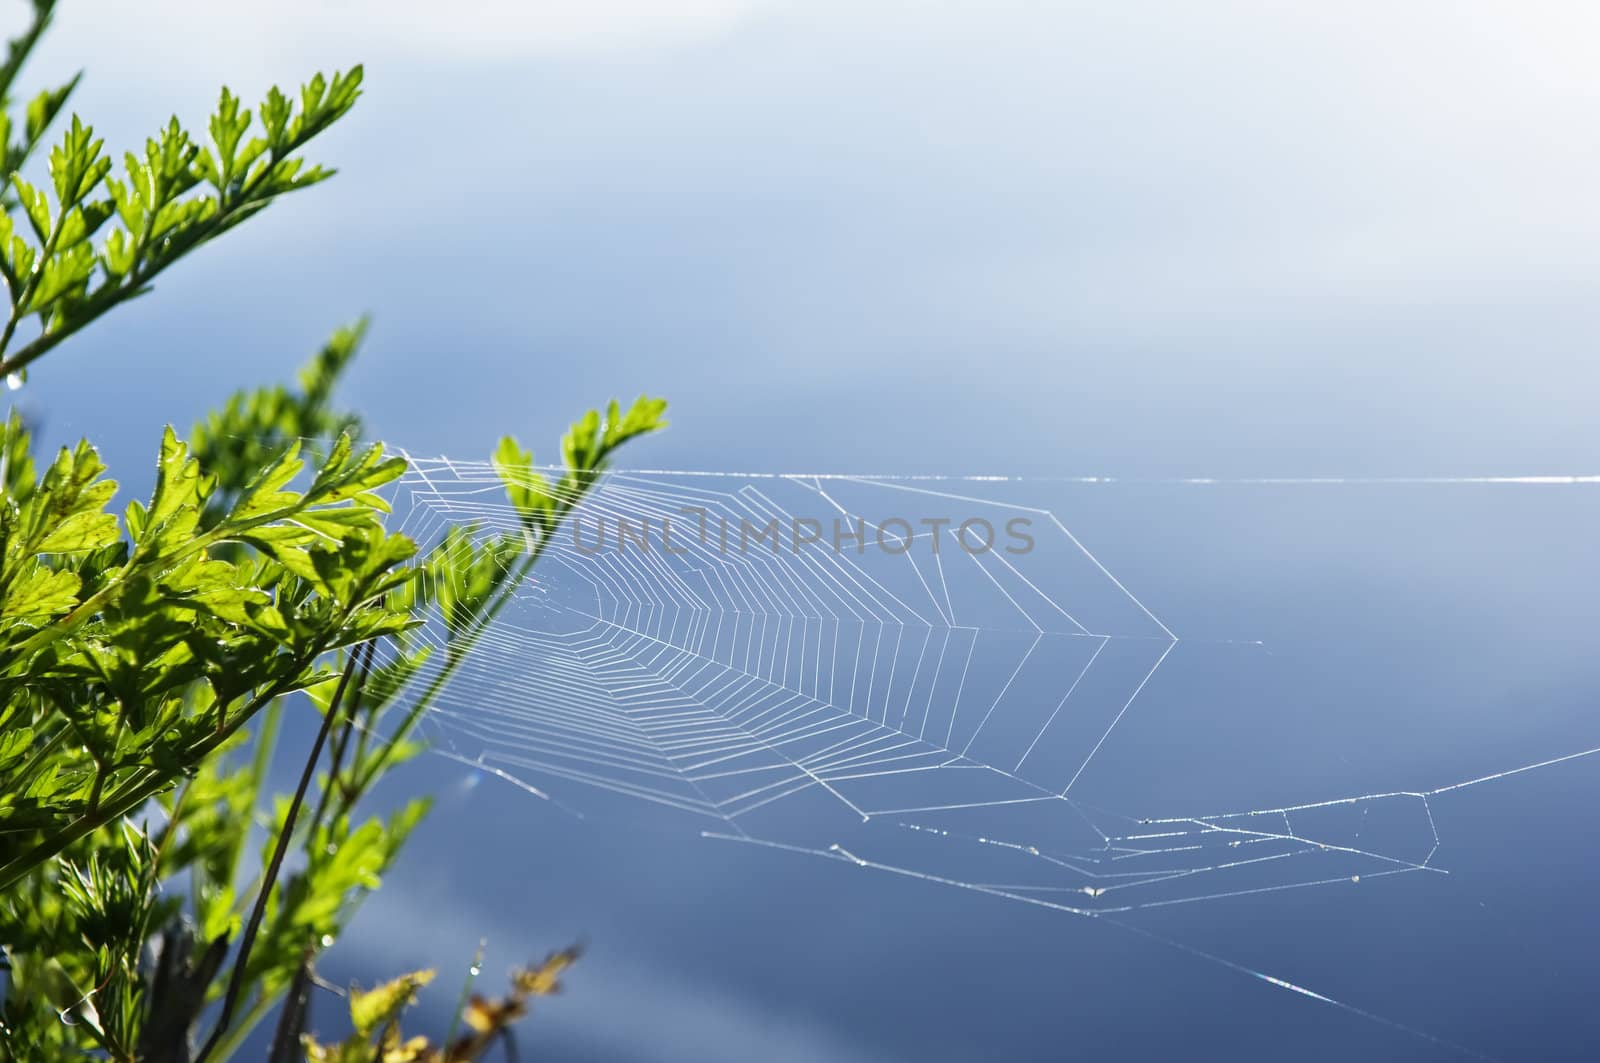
(1225, 240)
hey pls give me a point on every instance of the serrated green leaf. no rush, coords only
(42, 592)
(82, 531)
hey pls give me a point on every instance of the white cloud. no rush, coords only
(188, 47)
(475, 28)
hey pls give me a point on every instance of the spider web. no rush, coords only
(912, 706)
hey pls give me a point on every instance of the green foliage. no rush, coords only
(131, 659)
(253, 427)
(587, 446)
(175, 195)
(149, 655)
(143, 653)
(125, 662)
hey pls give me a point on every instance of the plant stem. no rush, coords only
(29, 286)
(344, 739)
(236, 980)
(23, 46)
(292, 1020)
(241, 1029)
